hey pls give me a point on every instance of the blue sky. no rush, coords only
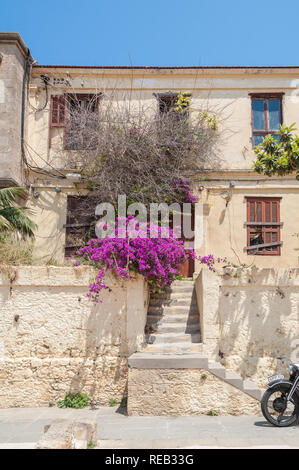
(156, 32)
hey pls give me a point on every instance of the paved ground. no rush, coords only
(22, 428)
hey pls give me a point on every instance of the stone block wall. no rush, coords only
(13, 53)
(180, 392)
(54, 340)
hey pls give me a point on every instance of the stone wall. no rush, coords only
(54, 340)
(13, 52)
(180, 392)
(250, 319)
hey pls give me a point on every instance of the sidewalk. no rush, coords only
(23, 427)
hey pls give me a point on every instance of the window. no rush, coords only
(77, 115)
(266, 116)
(167, 102)
(80, 223)
(263, 226)
(57, 113)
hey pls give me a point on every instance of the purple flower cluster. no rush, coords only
(182, 186)
(96, 286)
(157, 259)
(210, 261)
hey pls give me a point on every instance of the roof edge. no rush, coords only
(153, 67)
(12, 37)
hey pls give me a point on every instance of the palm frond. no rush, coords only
(4, 224)
(17, 219)
(8, 195)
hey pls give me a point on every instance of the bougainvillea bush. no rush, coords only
(133, 250)
(182, 186)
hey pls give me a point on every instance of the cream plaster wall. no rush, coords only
(224, 229)
(49, 212)
(225, 91)
(53, 340)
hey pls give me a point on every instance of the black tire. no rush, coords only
(265, 405)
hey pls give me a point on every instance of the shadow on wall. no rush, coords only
(102, 372)
(54, 340)
(112, 330)
(49, 212)
(257, 326)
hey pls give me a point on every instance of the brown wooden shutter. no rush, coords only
(263, 226)
(57, 113)
(80, 223)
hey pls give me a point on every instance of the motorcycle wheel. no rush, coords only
(276, 409)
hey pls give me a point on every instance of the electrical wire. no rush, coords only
(23, 153)
(42, 171)
(47, 163)
(46, 89)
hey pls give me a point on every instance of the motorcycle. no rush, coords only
(280, 402)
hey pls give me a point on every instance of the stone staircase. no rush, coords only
(231, 377)
(173, 339)
(173, 321)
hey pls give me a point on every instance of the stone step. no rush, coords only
(158, 338)
(234, 379)
(186, 301)
(217, 369)
(180, 289)
(173, 348)
(186, 282)
(190, 356)
(229, 376)
(178, 328)
(145, 360)
(174, 309)
(252, 389)
(158, 319)
(171, 295)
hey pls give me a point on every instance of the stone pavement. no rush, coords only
(23, 427)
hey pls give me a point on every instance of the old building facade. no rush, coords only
(245, 319)
(251, 102)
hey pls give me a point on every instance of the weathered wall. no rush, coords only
(225, 91)
(224, 229)
(49, 211)
(13, 52)
(180, 392)
(250, 319)
(53, 340)
(220, 228)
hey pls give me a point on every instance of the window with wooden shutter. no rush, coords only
(263, 226)
(80, 223)
(65, 113)
(82, 121)
(57, 113)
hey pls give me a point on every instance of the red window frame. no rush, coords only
(263, 224)
(265, 97)
(59, 110)
(57, 113)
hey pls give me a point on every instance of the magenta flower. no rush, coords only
(157, 259)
